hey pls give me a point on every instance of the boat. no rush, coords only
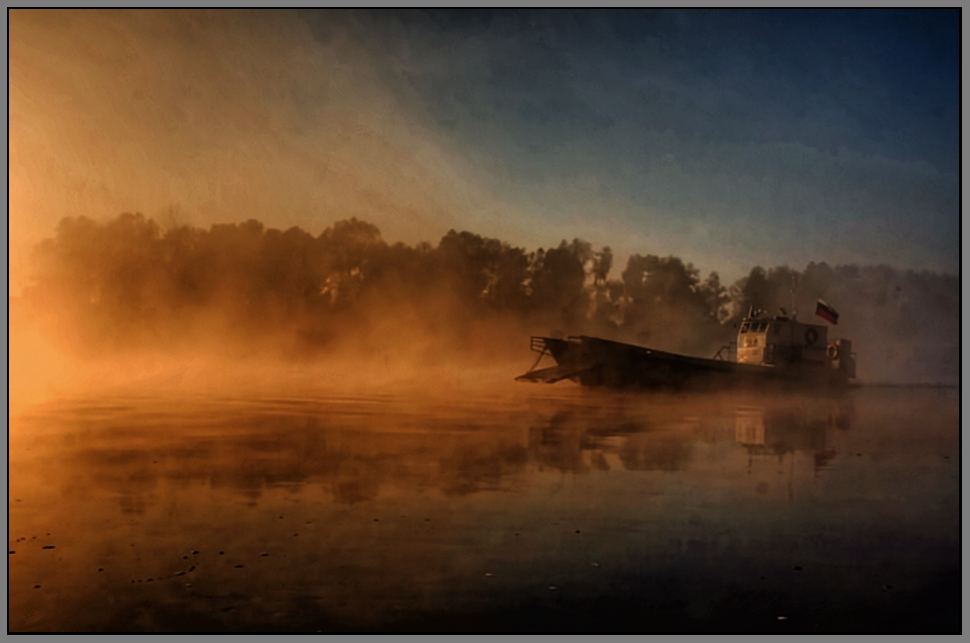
(768, 350)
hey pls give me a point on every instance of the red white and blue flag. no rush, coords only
(826, 312)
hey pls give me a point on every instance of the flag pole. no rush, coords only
(794, 313)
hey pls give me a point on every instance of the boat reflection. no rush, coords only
(777, 431)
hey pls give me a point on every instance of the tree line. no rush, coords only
(128, 282)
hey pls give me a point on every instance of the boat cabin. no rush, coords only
(782, 341)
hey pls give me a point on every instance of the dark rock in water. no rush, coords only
(11, 552)
(185, 557)
(192, 568)
(180, 573)
(195, 551)
(797, 568)
(48, 547)
(100, 569)
(264, 554)
(221, 553)
(36, 586)
(238, 566)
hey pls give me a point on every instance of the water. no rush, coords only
(534, 507)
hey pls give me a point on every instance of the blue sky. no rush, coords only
(786, 135)
(728, 138)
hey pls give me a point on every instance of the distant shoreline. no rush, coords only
(891, 385)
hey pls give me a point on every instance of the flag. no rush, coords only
(826, 312)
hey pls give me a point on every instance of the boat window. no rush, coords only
(762, 327)
(744, 327)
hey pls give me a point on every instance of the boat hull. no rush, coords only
(592, 361)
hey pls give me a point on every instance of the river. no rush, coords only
(521, 508)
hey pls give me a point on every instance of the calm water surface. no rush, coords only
(533, 508)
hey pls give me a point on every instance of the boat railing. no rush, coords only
(538, 344)
(720, 352)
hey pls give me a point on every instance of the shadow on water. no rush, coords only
(568, 512)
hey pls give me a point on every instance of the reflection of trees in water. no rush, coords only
(357, 458)
(249, 455)
(470, 469)
(578, 442)
(647, 452)
(558, 444)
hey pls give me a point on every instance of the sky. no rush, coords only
(728, 138)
